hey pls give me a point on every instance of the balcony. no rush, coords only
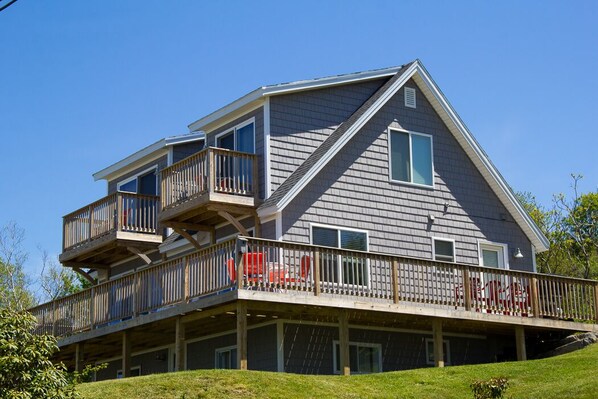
(256, 270)
(199, 189)
(110, 229)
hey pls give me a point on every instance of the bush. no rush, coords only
(494, 388)
(26, 371)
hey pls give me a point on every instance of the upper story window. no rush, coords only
(144, 182)
(240, 138)
(411, 158)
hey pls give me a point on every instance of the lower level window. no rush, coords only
(364, 358)
(430, 351)
(226, 358)
(135, 372)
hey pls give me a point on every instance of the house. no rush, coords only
(347, 224)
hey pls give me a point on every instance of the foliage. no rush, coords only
(494, 388)
(56, 281)
(571, 226)
(86, 375)
(25, 365)
(14, 285)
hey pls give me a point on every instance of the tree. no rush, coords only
(26, 370)
(14, 283)
(56, 281)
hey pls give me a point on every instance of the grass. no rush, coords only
(568, 376)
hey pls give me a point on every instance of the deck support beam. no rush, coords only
(343, 341)
(85, 275)
(438, 343)
(234, 222)
(137, 252)
(180, 346)
(79, 357)
(126, 354)
(520, 343)
(242, 335)
(188, 236)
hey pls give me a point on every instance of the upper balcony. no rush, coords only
(110, 229)
(200, 189)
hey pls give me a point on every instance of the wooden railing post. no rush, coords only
(185, 283)
(119, 212)
(596, 302)
(90, 223)
(467, 289)
(535, 298)
(212, 171)
(395, 281)
(255, 177)
(241, 249)
(92, 307)
(135, 292)
(54, 318)
(317, 287)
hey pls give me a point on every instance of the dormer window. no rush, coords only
(240, 138)
(141, 183)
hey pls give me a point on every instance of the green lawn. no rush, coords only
(574, 375)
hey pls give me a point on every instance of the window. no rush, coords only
(430, 351)
(410, 97)
(240, 138)
(226, 358)
(411, 158)
(142, 183)
(363, 358)
(135, 372)
(493, 254)
(348, 270)
(443, 249)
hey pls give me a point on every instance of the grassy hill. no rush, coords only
(569, 376)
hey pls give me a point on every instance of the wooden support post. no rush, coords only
(467, 289)
(343, 341)
(135, 293)
(520, 343)
(90, 223)
(596, 302)
(212, 171)
(255, 183)
(535, 298)
(395, 281)
(213, 236)
(258, 227)
(317, 287)
(186, 289)
(180, 346)
(242, 335)
(54, 319)
(79, 357)
(92, 307)
(126, 354)
(438, 343)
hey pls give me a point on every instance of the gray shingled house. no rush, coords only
(347, 224)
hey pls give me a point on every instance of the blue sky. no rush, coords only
(84, 84)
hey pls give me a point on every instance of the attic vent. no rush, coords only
(410, 97)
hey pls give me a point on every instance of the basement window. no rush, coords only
(446, 349)
(226, 358)
(364, 358)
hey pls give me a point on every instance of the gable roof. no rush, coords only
(254, 97)
(293, 185)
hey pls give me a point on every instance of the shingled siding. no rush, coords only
(182, 151)
(258, 114)
(354, 191)
(300, 122)
(161, 162)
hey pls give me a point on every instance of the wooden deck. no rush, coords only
(101, 233)
(275, 272)
(196, 190)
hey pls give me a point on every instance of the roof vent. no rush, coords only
(410, 97)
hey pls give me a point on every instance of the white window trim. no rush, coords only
(338, 229)
(221, 350)
(410, 132)
(135, 176)
(120, 371)
(234, 129)
(411, 89)
(335, 355)
(447, 354)
(451, 240)
(497, 246)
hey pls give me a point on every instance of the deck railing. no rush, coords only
(283, 267)
(129, 212)
(212, 170)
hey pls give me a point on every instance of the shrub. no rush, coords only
(494, 388)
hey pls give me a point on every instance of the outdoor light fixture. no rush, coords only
(518, 254)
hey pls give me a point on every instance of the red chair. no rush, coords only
(253, 267)
(304, 269)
